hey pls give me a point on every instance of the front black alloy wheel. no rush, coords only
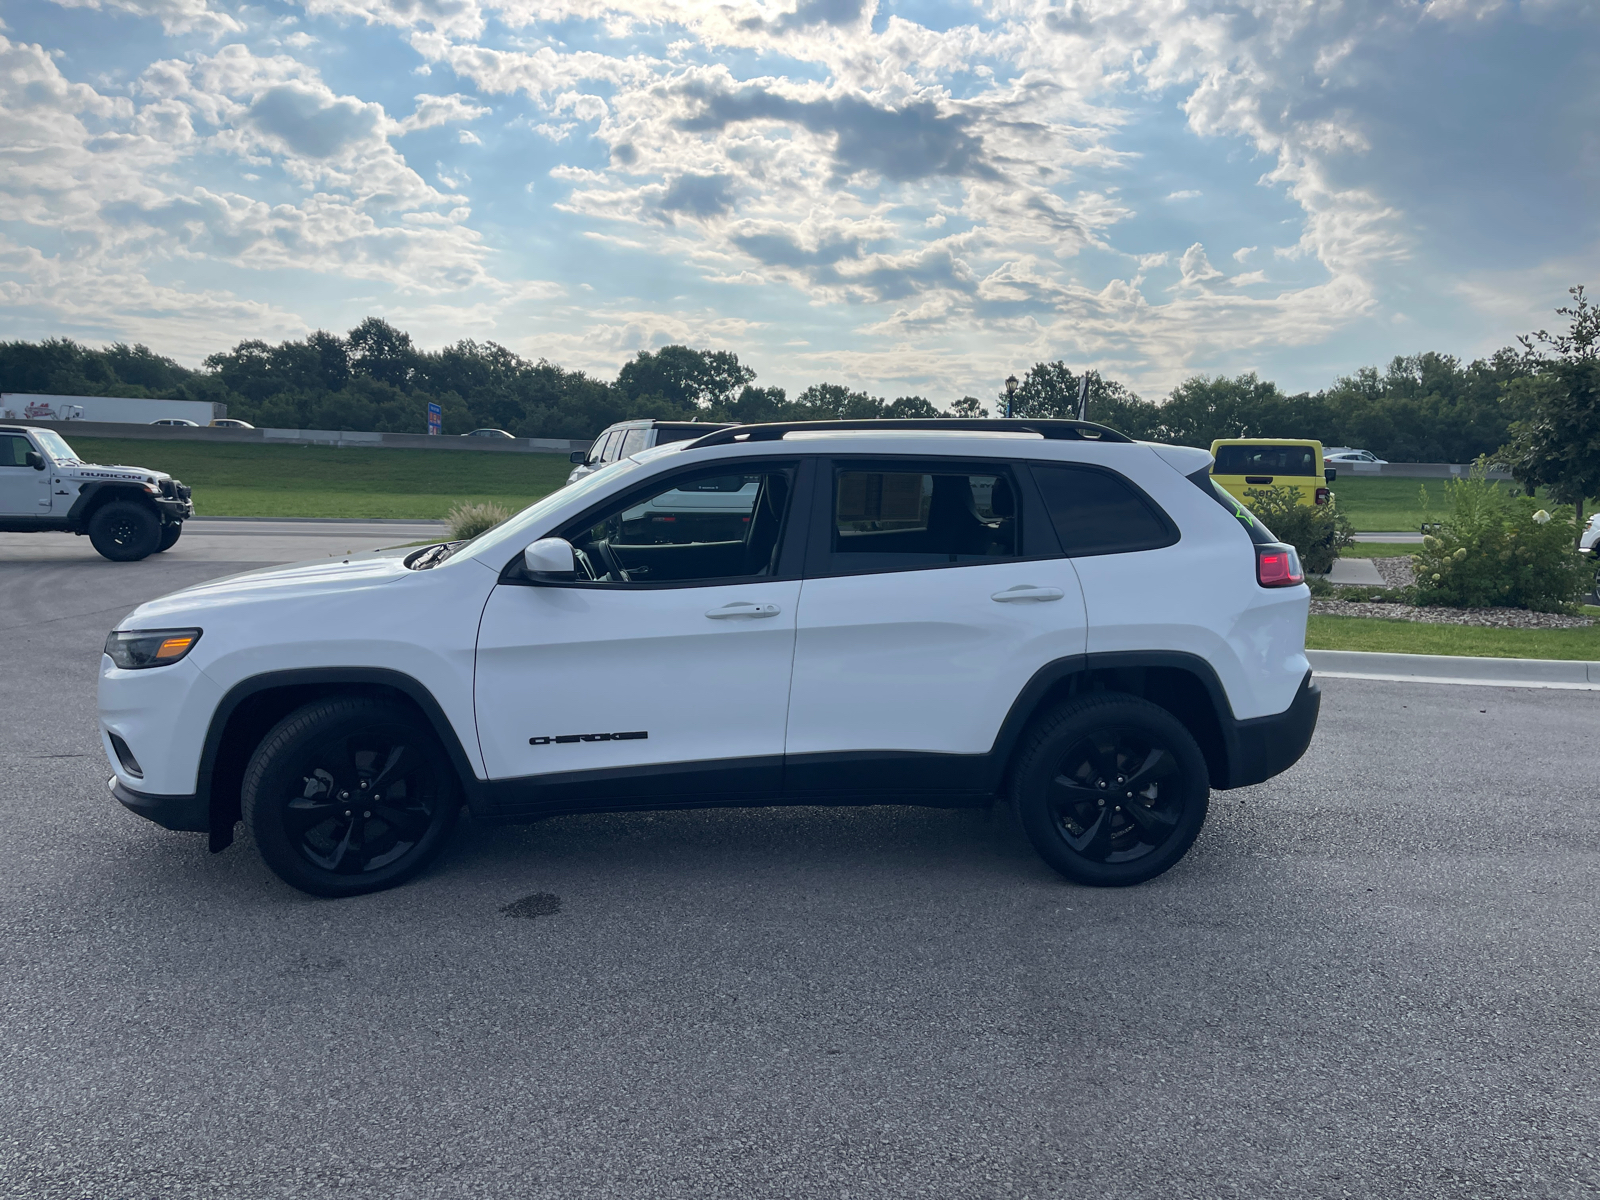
(349, 795)
(1111, 789)
(125, 531)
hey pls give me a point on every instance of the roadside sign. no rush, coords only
(435, 419)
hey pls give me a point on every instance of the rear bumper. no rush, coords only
(187, 814)
(1268, 746)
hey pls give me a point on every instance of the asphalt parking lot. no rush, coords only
(1378, 975)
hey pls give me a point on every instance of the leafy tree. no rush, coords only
(1557, 444)
(968, 406)
(380, 351)
(686, 380)
(1051, 390)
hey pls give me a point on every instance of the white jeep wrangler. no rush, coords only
(903, 612)
(129, 513)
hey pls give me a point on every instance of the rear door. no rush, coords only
(1242, 465)
(934, 590)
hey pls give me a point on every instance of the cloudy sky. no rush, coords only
(907, 195)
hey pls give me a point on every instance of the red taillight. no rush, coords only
(1324, 495)
(1278, 566)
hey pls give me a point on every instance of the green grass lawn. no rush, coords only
(1377, 505)
(244, 480)
(1411, 637)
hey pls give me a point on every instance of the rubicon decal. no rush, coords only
(562, 738)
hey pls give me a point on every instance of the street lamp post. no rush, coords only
(1011, 390)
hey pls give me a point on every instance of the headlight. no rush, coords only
(133, 649)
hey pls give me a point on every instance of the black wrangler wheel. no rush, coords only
(125, 531)
(1111, 789)
(349, 796)
(169, 536)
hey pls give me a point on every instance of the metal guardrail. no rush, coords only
(309, 437)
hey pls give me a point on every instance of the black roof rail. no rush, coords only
(1048, 428)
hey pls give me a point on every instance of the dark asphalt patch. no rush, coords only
(540, 904)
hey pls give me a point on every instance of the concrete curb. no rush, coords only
(1568, 674)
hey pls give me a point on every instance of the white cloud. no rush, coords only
(176, 16)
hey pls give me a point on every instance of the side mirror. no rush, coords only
(1330, 474)
(579, 457)
(35, 460)
(551, 559)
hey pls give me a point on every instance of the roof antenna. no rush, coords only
(1083, 397)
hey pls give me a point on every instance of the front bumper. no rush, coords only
(174, 510)
(186, 814)
(1266, 746)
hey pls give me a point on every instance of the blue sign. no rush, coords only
(435, 419)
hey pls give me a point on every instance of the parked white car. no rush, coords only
(1351, 457)
(128, 513)
(906, 612)
(627, 438)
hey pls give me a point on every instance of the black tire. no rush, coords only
(303, 796)
(1077, 789)
(125, 531)
(169, 536)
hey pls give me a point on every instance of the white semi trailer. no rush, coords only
(25, 406)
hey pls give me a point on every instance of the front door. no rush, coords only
(24, 491)
(934, 591)
(674, 647)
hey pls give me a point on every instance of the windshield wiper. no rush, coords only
(432, 556)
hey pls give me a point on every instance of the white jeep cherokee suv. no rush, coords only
(129, 513)
(903, 612)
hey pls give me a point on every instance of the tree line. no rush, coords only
(1427, 407)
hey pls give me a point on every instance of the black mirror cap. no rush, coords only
(579, 457)
(35, 460)
(1329, 474)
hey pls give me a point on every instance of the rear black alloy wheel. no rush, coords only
(1111, 789)
(125, 531)
(349, 796)
(169, 536)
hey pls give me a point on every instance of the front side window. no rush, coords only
(884, 519)
(14, 450)
(1097, 512)
(704, 527)
(633, 441)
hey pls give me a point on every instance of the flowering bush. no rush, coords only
(1492, 548)
(1318, 532)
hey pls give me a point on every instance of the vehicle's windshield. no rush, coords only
(514, 531)
(56, 446)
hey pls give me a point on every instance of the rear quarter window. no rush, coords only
(1096, 511)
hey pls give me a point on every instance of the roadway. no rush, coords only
(1375, 976)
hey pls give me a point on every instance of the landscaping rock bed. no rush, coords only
(1396, 572)
(1493, 618)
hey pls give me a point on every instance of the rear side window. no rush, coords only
(1098, 512)
(1265, 460)
(889, 518)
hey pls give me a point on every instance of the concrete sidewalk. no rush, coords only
(1568, 674)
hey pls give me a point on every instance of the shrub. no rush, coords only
(1318, 531)
(469, 520)
(1493, 548)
